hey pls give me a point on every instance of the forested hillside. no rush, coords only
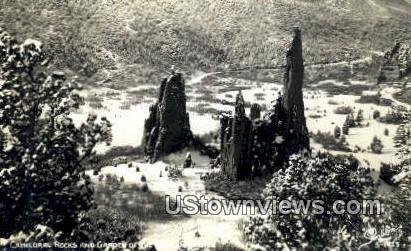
(87, 35)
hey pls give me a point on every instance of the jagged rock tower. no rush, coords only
(254, 146)
(236, 140)
(293, 102)
(167, 129)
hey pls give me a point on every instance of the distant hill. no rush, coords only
(88, 35)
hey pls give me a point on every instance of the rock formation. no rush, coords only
(293, 97)
(188, 161)
(252, 146)
(236, 139)
(255, 112)
(167, 129)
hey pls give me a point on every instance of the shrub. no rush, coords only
(337, 132)
(343, 110)
(395, 117)
(374, 99)
(332, 102)
(329, 142)
(376, 114)
(118, 155)
(386, 132)
(174, 172)
(326, 178)
(42, 177)
(388, 171)
(360, 118)
(144, 188)
(315, 116)
(143, 178)
(226, 247)
(376, 145)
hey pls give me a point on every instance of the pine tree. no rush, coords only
(43, 178)
(2, 141)
(376, 114)
(345, 128)
(337, 132)
(350, 120)
(343, 140)
(2, 147)
(360, 117)
(327, 177)
(400, 136)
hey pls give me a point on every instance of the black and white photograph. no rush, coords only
(205, 125)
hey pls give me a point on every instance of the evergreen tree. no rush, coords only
(376, 114)
(404, 149)
(327, 178)
(400, 136)
(3, 144)
(43, 178)
(350, 120)
(337, 132)
(345, 127)
(343, 140)
(360, 117)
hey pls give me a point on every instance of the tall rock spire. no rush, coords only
(239, 104)
(167, 128)
(236, 140)
(254, 146)
(293, 95)
(294, 74)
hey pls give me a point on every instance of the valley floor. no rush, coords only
(128, 109)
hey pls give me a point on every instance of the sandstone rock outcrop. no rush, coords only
(293, 103)
(255, 112)
(253, 146)
(236, 142)
(167, 129)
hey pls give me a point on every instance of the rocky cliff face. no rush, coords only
(167, 128)
(254, 146)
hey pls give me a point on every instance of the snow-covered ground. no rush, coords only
(128, 121)
(170, 235)
(128, 126)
